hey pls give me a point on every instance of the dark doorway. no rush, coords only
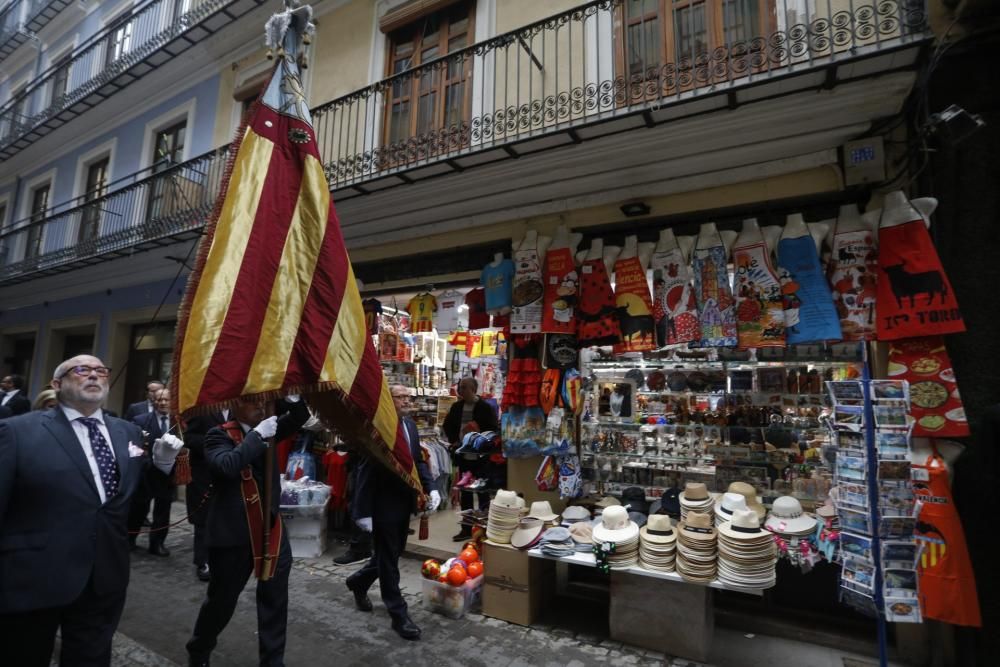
(151, 357)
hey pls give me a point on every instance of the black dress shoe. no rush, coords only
(197, 662)
(158, 550)
(349, 557)
(361, 599)
(462, 536)
(203, 573)
(406, 628)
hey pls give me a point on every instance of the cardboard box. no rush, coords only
(515, 585)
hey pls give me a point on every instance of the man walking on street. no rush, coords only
(383, 506)
(155, 488)
(236, 456)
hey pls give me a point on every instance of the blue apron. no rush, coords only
(810, 315)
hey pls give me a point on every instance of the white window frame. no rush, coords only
(184, 111)
(113, 15)
(83, 163)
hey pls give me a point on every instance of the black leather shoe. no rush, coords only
(462, 535)
(198, 662)
(203, 573)
(158, 550)
(406, 628)
(361, 599)
(349, 557)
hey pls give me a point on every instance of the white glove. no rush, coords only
(313, 424)
(293, 398)
(365, 524)
(267, 428)
(165, 450)
(434, 502)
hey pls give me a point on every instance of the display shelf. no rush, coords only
(587, 559)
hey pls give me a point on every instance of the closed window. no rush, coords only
(97, 187)
(119, 40)
(60, 81)
(39, 204)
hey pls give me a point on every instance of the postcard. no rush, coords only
(890, 416)
(851, 440)
(855, 547)
(894, 470)
(854, 521)
(890, 390)
(860, 602)
(898, 582)
(852, 416)
(892, 444)
(898, 554)
(895, 527)
(859, 573)
(902, 610)
(896, 499)
(852, 467)
(846, 390)
(853, 495)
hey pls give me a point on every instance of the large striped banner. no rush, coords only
(272, 306)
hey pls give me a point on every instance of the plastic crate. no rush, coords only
(306, 529)
(452, 601)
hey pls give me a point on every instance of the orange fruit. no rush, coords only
(475, 569)
(457, 576)
(468, 555)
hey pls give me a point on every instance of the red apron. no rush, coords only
(947, 583)
(598, 319)
(935, 403)
(635, 308)
(914, 295)
(561, 287)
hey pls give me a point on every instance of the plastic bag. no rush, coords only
(301, 463)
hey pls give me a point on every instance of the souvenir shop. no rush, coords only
(753, 406)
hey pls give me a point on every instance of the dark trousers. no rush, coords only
(388, 542)
(86, 625)
(200, 556)
(156, 489)
(231, 569)
(360, 542)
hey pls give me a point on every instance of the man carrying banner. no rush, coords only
(235, 453)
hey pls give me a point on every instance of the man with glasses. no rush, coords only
(156, 489)
(383, 505)
(67, 477)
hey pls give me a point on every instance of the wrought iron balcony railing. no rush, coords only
(584, 66)
(110, 60)
(21, 19)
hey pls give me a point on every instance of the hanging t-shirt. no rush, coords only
(526, 298)
(498, 281)
(716, 307)
(561, 286)
(915, 297)
(476, 301)
(635, 309)
(373, 312)
(760, 318)
(674, 307)
(809, 312)
(447, 316)
(853, 276)
(421, 309)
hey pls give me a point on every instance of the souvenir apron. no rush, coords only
(716, 308)
(760, 318)
(935, 403)
(674, 309)
(596, 316)
(526, 297)
(947, 583)
(635, 310)
(914, 295)
(561, 287)
(809, 313)
(853, 275)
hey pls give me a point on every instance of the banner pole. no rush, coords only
(265, 571)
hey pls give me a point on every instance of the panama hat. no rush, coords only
(607, 501)
(658, 530)
(582, 533)
(698, 527)
(727, 504)
(744, 526)
(787, 517)
(542, 509)
(750, 493)
(615, 526)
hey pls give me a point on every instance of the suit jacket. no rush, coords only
(227, 522)
(194, 439)
(54, 532)
(380, 493)
(159, 482)
(18, 404)
(136, 409)
(5, 412)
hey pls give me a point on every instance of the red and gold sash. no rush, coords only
(264, 565)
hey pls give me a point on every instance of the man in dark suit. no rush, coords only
(383, 505)
(237, 446)
(147, 406)
(196, 497)
(67, 477)
(13, 397)
(5, 412)
(155, 488)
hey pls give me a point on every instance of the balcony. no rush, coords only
(120, 54)
(20, 20)
(572, 78)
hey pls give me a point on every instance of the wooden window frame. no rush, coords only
(121, 23)
(90, 217)
(440, 87)
(35, 235)
(63, 64)
(159, 188)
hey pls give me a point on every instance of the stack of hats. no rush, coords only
(604, 503)
(658, 544)
(637, 517)
(542, 510)
(668, 503)
(583, 536)
(726, 505)
(505, 510)
(750, 493)
(575, 514)
(616, 528)
(788, 520)
(634, 498)
(827, 512)
(695, 498)
(528, 533)
(557, 542)
(747, 554)
(697, 548)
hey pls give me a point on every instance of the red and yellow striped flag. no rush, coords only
(272, 306)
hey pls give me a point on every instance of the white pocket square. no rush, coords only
(134, 451)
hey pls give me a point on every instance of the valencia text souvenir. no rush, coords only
(635, 315)
(809, 312)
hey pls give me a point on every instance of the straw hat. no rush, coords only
(542, 509)
(698, 527)
(787, 517)
(615, 526)
(658, 530)
(750, 493)
(607, 501)
(744, 526)
(695, 493)
(582, 532)
(727, 504)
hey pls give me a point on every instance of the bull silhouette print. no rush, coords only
(905, 284)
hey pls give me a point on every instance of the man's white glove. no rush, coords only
(365, 524)
(165, 450)
(293, 398)
(434, 502)
(313, 424)
(267, 428)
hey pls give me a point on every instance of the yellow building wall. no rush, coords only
(513, 14)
